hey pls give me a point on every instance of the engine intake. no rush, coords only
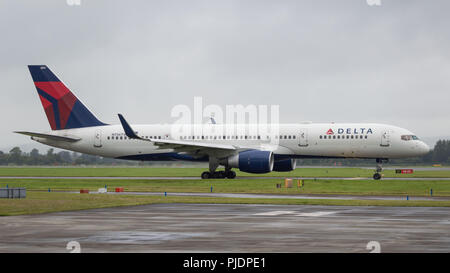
(252, 161)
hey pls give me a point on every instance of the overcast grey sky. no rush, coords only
(341, 61)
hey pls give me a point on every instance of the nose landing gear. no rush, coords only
(377, 176)
(379, 168)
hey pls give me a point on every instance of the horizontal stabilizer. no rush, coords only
(51, 137)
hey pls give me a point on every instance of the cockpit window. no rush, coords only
(409, 137)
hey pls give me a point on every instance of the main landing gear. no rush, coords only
(219, 174)
(379, 168)
(213, 164)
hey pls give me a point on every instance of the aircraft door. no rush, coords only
(303, 138)
(385, 141)
(98, 139)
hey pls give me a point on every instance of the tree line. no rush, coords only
(17, 157)
(439, 155)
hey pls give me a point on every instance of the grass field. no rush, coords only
(195, 172)
(39, 200)
(355, 187)
(42, 202)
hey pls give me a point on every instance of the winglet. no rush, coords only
(127, 128)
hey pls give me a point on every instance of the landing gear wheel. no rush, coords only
(206, 175)
(377, 176)
(230, 174)
(220, 174)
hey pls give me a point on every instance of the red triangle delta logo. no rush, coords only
(330, 132)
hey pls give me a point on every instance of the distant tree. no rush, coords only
(3, 159)
(15, 151)
(87, 159)
(34, 158)
(428, 158)
(65, 157)
(34, 153)
(50, 157)
(15, 156)
(441, 151)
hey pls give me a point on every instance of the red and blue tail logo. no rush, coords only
(63, 109)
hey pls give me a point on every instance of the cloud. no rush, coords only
(341, 61)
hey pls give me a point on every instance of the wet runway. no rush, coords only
(230, 228)
(286, 196)
(198, 178)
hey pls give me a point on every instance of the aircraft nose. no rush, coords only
(424, 148)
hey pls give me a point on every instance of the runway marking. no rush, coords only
(275, 213)
(315, 214)
(295, 213)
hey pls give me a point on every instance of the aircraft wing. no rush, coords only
(51, 137)
(183, 146)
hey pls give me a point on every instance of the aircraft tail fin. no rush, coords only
(63, 109)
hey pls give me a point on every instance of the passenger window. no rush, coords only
(320, 137)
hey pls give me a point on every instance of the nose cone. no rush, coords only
(423, 148)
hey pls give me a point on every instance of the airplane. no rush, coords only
(75, 128)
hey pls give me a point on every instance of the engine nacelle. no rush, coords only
(285, 165)
(252, 161)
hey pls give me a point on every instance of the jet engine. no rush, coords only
(252, 161)
(285, 165)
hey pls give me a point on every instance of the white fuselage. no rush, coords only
(347, 140)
